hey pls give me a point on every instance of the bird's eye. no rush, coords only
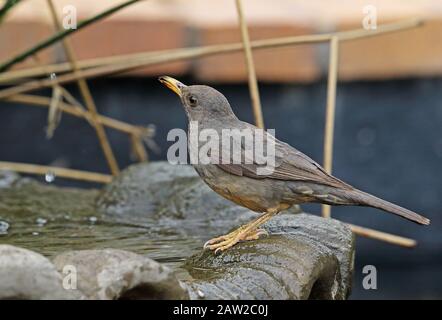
(193, 101)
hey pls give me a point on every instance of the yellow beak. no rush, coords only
(172, 84)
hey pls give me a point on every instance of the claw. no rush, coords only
(256, 235)
(246, 232)
(207, 243)
(227, 241)
(210, 242)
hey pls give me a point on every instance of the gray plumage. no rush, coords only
(296, 179)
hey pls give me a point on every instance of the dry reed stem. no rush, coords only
(79, 112)
(188, 53)
(382, 236)
(59, 172)
(87, 97)
(54, 113)
(212, 50)
(54, 116)
(38, 71)
(252, 82)
(330, 112)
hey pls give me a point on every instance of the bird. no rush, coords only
(295, 178)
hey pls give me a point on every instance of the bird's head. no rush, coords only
(201, 103)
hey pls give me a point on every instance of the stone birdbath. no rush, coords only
(141, 237)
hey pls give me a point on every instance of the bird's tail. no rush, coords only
(366, 199)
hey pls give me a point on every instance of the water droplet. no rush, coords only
(41, 222)
(4, 226)
(93, 219)
(49, 177)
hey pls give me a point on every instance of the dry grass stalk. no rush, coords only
(330, 112)
(59, 172)
(54, 113)
(79, 112)
(25, 73)
(188, 53)
(382, 236)
(253, 83)
(87, 96)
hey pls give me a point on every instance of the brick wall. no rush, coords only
(168, 24)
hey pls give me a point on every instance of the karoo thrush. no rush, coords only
(295, 179)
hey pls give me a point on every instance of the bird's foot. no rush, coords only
(227, 241)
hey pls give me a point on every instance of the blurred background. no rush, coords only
(388, 132)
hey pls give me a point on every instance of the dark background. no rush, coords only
(388, 141)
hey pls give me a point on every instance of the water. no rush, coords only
(51, 220)
(61, 234)
(4, 226)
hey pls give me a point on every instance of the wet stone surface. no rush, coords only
(28, 275)
(160, 190)
(118, 274)
(160, 215)
(305, 257)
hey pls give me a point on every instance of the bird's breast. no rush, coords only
(258, 195)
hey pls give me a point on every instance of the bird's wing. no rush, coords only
(289, 164)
